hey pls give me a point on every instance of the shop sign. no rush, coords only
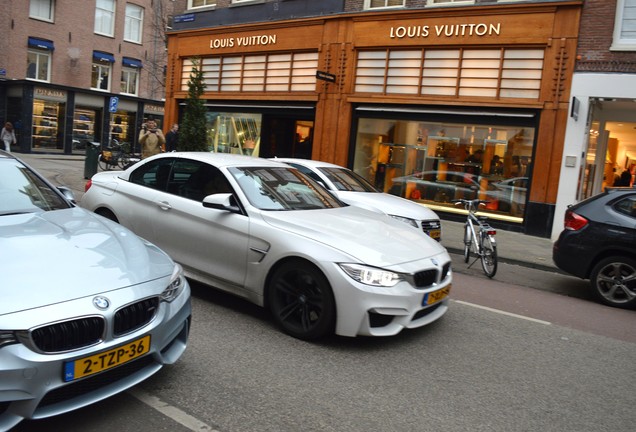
(3, 72)
(184, 18)
(446, 30)
(154, 108)
(50, 94)
(243, 41)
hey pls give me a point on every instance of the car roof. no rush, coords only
(223, 159)
(309, 163)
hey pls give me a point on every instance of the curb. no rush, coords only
(512, 261)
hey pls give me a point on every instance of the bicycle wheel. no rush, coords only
(488, 255)
(123, 161)
(105, 166)
(468, 242)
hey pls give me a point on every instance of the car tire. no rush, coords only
(613, 281)
(301, 300)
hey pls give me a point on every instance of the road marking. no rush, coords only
(503, 312)
(169, 411)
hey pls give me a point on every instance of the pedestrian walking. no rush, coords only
(8, 136)
(172, 138)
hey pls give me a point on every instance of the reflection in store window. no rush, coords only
(434, 162)
(237, 133)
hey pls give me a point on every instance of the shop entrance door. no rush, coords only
(287, 136)
(611, 145)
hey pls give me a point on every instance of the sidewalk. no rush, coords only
(512, 247)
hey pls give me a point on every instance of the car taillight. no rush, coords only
(88, 185)
(574, 222)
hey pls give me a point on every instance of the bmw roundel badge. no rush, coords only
(101, 302)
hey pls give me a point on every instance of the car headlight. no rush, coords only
(371, 275)
(175, 287)
(7, 338)
(409, 221)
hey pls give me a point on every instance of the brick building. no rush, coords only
(600, 141)
(73, 72)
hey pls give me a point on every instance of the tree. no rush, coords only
(192, 131)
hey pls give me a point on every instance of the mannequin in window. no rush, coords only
(103, 83)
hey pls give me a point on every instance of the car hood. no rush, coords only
(368, 237)
(387, 204)
(56, 256)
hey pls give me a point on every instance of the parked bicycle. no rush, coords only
(479, 237)
(116, 155)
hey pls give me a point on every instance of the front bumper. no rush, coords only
(32, 384)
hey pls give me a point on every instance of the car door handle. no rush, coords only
(164, 205)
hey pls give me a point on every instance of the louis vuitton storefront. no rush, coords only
(430, 105)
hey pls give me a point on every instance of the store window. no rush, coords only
(436, 162)
(101, 70)
(122, 128)
(105, 17)
(237, 133)
(376, 4)
(134, 23)
(42, 9)
(48, 121)
(285, 72)
(84, 121)
(495, 73)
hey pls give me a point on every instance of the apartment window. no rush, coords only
(134, 23)
(42, 9)
(130, 76)
(101, 71)
(376, 4)
(38, 65)
(200, 3)
(625, 26)
(105, 17)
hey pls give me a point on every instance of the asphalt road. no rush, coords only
(505, 358)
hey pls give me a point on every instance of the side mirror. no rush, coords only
(68, 194)
(221, 201)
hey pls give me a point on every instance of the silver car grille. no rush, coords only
(429, 277)
(69, 335)
(428, 225)
(82, 332)
(135, 316)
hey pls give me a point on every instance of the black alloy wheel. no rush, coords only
(301, 300)
(613, 280)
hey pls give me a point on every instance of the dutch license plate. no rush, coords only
(86, 366)
(434, 234)
(435, 296)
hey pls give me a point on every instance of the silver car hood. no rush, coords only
(371, 238)
(61, 255)
(388, 204)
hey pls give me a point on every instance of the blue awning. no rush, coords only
(103, 56)
(131, 62)
(41, 43)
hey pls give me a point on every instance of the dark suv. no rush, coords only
(599, 244)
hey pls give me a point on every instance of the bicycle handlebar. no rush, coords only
(469, 204)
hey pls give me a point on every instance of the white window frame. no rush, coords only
(39, 55)
(619, 43)
(126, 74)
(367, 5)
(447, 2)
(206, 3)
(105, 17)
(134, 24)
(43, 10)
(102, 67)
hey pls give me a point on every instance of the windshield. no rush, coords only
(279, 188)
(347, 180)
(22, 191)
